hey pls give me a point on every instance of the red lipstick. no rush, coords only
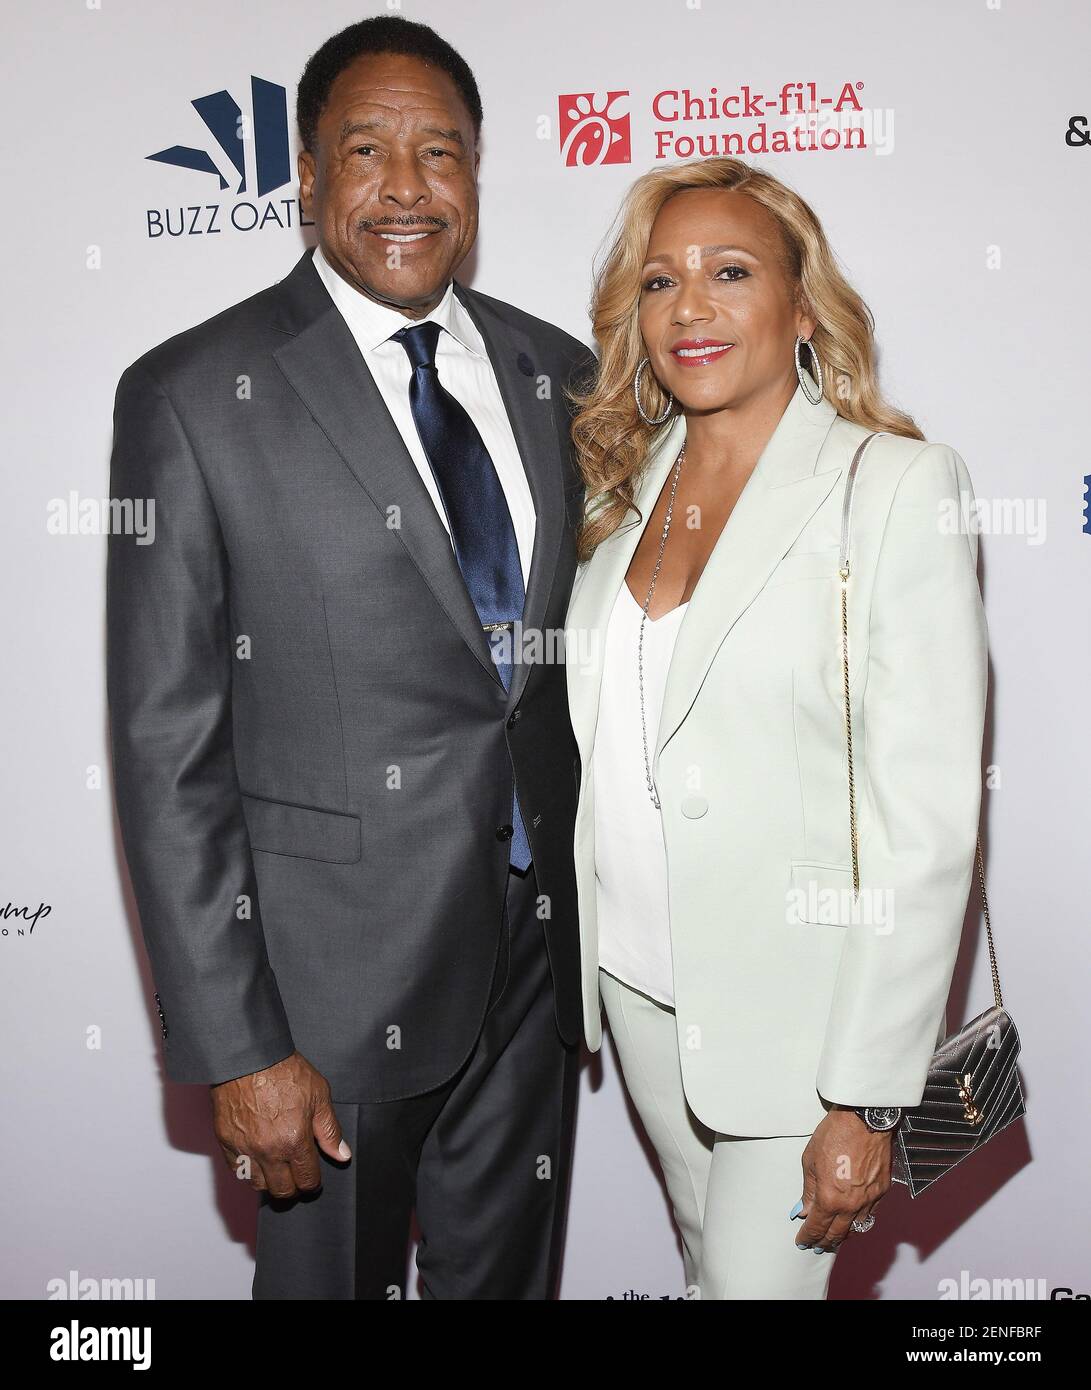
(699, 352)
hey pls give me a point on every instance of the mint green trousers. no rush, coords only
(731, 1195)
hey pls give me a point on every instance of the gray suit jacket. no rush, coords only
(313, 752)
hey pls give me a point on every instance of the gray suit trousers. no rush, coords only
(484, 1160)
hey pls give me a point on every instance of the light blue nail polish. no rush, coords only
(803, 1247)
(796, 1210)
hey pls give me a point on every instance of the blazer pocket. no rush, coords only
(822, 892)
(808, 564)
(302, 832)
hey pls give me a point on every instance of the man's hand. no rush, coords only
(272, 1119)
(846, 1170)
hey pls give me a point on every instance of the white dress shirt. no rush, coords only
(464, 370)
(630, 856)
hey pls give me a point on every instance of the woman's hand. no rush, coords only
(846, 1170)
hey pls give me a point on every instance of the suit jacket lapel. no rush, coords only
(598, 585)
(781, 495)
(322, 363)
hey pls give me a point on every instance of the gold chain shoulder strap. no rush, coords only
(843, 571)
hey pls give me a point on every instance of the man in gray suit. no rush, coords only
(346, 798)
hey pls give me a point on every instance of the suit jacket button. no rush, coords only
(504, 832)
(693, 806)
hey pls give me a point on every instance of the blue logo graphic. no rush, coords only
(223, 117)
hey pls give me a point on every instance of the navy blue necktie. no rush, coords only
(477, 513)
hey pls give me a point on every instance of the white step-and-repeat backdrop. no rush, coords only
(950, 163)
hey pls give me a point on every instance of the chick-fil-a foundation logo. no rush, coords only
(796, 117)
(594, 128)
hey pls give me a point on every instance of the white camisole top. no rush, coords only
(630, 857)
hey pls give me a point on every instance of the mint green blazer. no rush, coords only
(788, 994)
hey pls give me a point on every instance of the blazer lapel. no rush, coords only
(780, 497)
(323, 365)
(598, 585)
(533, 424)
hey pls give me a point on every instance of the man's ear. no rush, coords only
(306, 167)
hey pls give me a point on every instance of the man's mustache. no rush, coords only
(405, 220)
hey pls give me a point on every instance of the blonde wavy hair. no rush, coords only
(612, 441)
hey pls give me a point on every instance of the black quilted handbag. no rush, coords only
(972, 1091)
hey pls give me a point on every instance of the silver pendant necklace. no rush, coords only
(644, 619)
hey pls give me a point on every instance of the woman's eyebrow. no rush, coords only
(706, 251)
(734, 250)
